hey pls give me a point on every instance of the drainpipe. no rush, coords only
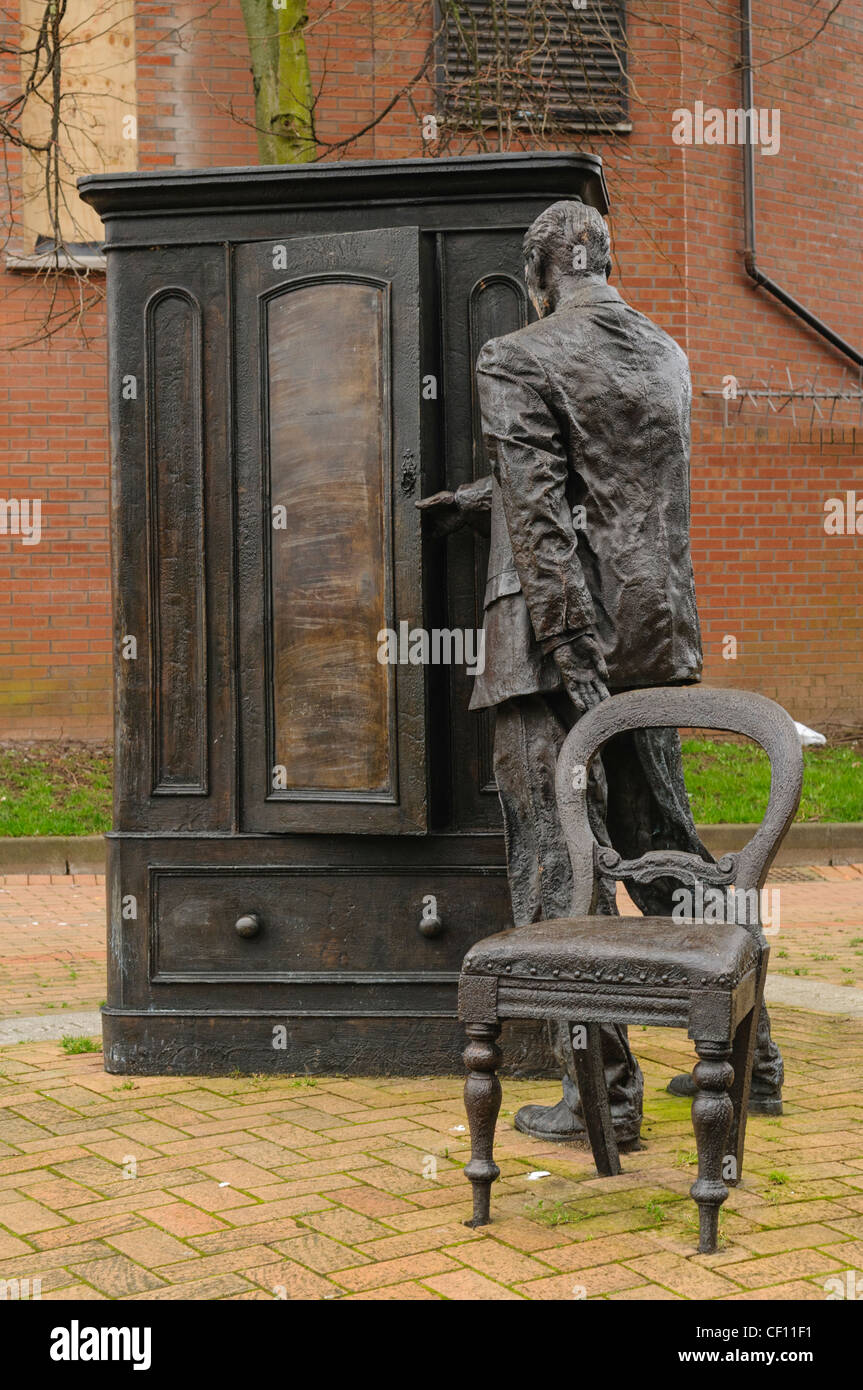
(749, 255)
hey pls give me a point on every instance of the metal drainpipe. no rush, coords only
(749, 205)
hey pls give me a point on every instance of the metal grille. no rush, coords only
(533, 63)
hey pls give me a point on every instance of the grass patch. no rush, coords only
(549, 1213)
(74, 1045)
(656, 1211)
(731, 781)
(54, 789)
(65, 788)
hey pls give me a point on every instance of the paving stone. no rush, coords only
(468, 1285)
(273, 1211)
(681, 1275)
(26, 1216)
(184, 1220)
(287, 1280)
(117, 1276)
(644, 1293)
(151, 1247)
(227, 1262)
(582, 1283)
(850, 1254)
(793, 1292)
(369, 1201)
(601, 1250)
(401, 1293)
(211, 1197)
(219, 1286)
(500, 1262)
(75, 1293)
(779, 1269)
(349, 1227)
(788, 1238)
(62, 1237)
(382, 1272)
(263, 1233)
(11, 1245)
(412, 1242)
(320, 1253)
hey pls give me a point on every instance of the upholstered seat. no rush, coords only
(637, 952)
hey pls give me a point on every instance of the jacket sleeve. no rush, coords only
(528, 459)
(475, 496)
(474, 503)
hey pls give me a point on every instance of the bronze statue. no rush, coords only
(590, 591)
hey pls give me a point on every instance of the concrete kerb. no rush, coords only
(806, 843)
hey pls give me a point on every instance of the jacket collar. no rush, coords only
(593, 292)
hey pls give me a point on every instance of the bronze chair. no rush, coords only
(704, 976)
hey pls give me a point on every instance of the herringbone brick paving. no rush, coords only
(334, 1188)
(52, 943)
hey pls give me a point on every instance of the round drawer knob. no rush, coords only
(249, 925)
(430, 926)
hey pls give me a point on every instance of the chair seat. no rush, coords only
(639, 952)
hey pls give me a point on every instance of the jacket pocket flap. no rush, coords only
(499, 584)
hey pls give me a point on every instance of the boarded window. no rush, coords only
(533, 64)
(97, 126)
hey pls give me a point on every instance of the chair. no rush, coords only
(704, 976)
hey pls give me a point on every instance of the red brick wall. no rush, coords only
(195, 107)
(767, 572)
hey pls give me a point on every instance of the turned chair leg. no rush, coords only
(482, 1103)
(711, 1120)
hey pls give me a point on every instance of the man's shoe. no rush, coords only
(682, 1085)
(762, 1101)
(558, 1124)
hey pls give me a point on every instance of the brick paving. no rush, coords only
(824, 939)
(52, 943)
(334, 1188)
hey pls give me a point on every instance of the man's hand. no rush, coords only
(442, 512)
(583, 671)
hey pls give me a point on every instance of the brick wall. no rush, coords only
(767, 572)
(195, 107)
(770, 576)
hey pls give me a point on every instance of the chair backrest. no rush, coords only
(681, 707)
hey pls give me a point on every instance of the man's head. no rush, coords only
(568, 241)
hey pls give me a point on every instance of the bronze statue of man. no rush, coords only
(590, 590)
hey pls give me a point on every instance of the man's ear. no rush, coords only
(534, 265)
(608, 269)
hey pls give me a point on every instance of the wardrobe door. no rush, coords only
(171, 503)
(329, 456)
(484, 297)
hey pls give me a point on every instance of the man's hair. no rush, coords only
(564, 227)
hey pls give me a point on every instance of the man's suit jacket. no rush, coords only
(589, 407)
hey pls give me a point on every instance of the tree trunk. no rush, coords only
(284, 104)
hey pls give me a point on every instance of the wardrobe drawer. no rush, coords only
(240, 924)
